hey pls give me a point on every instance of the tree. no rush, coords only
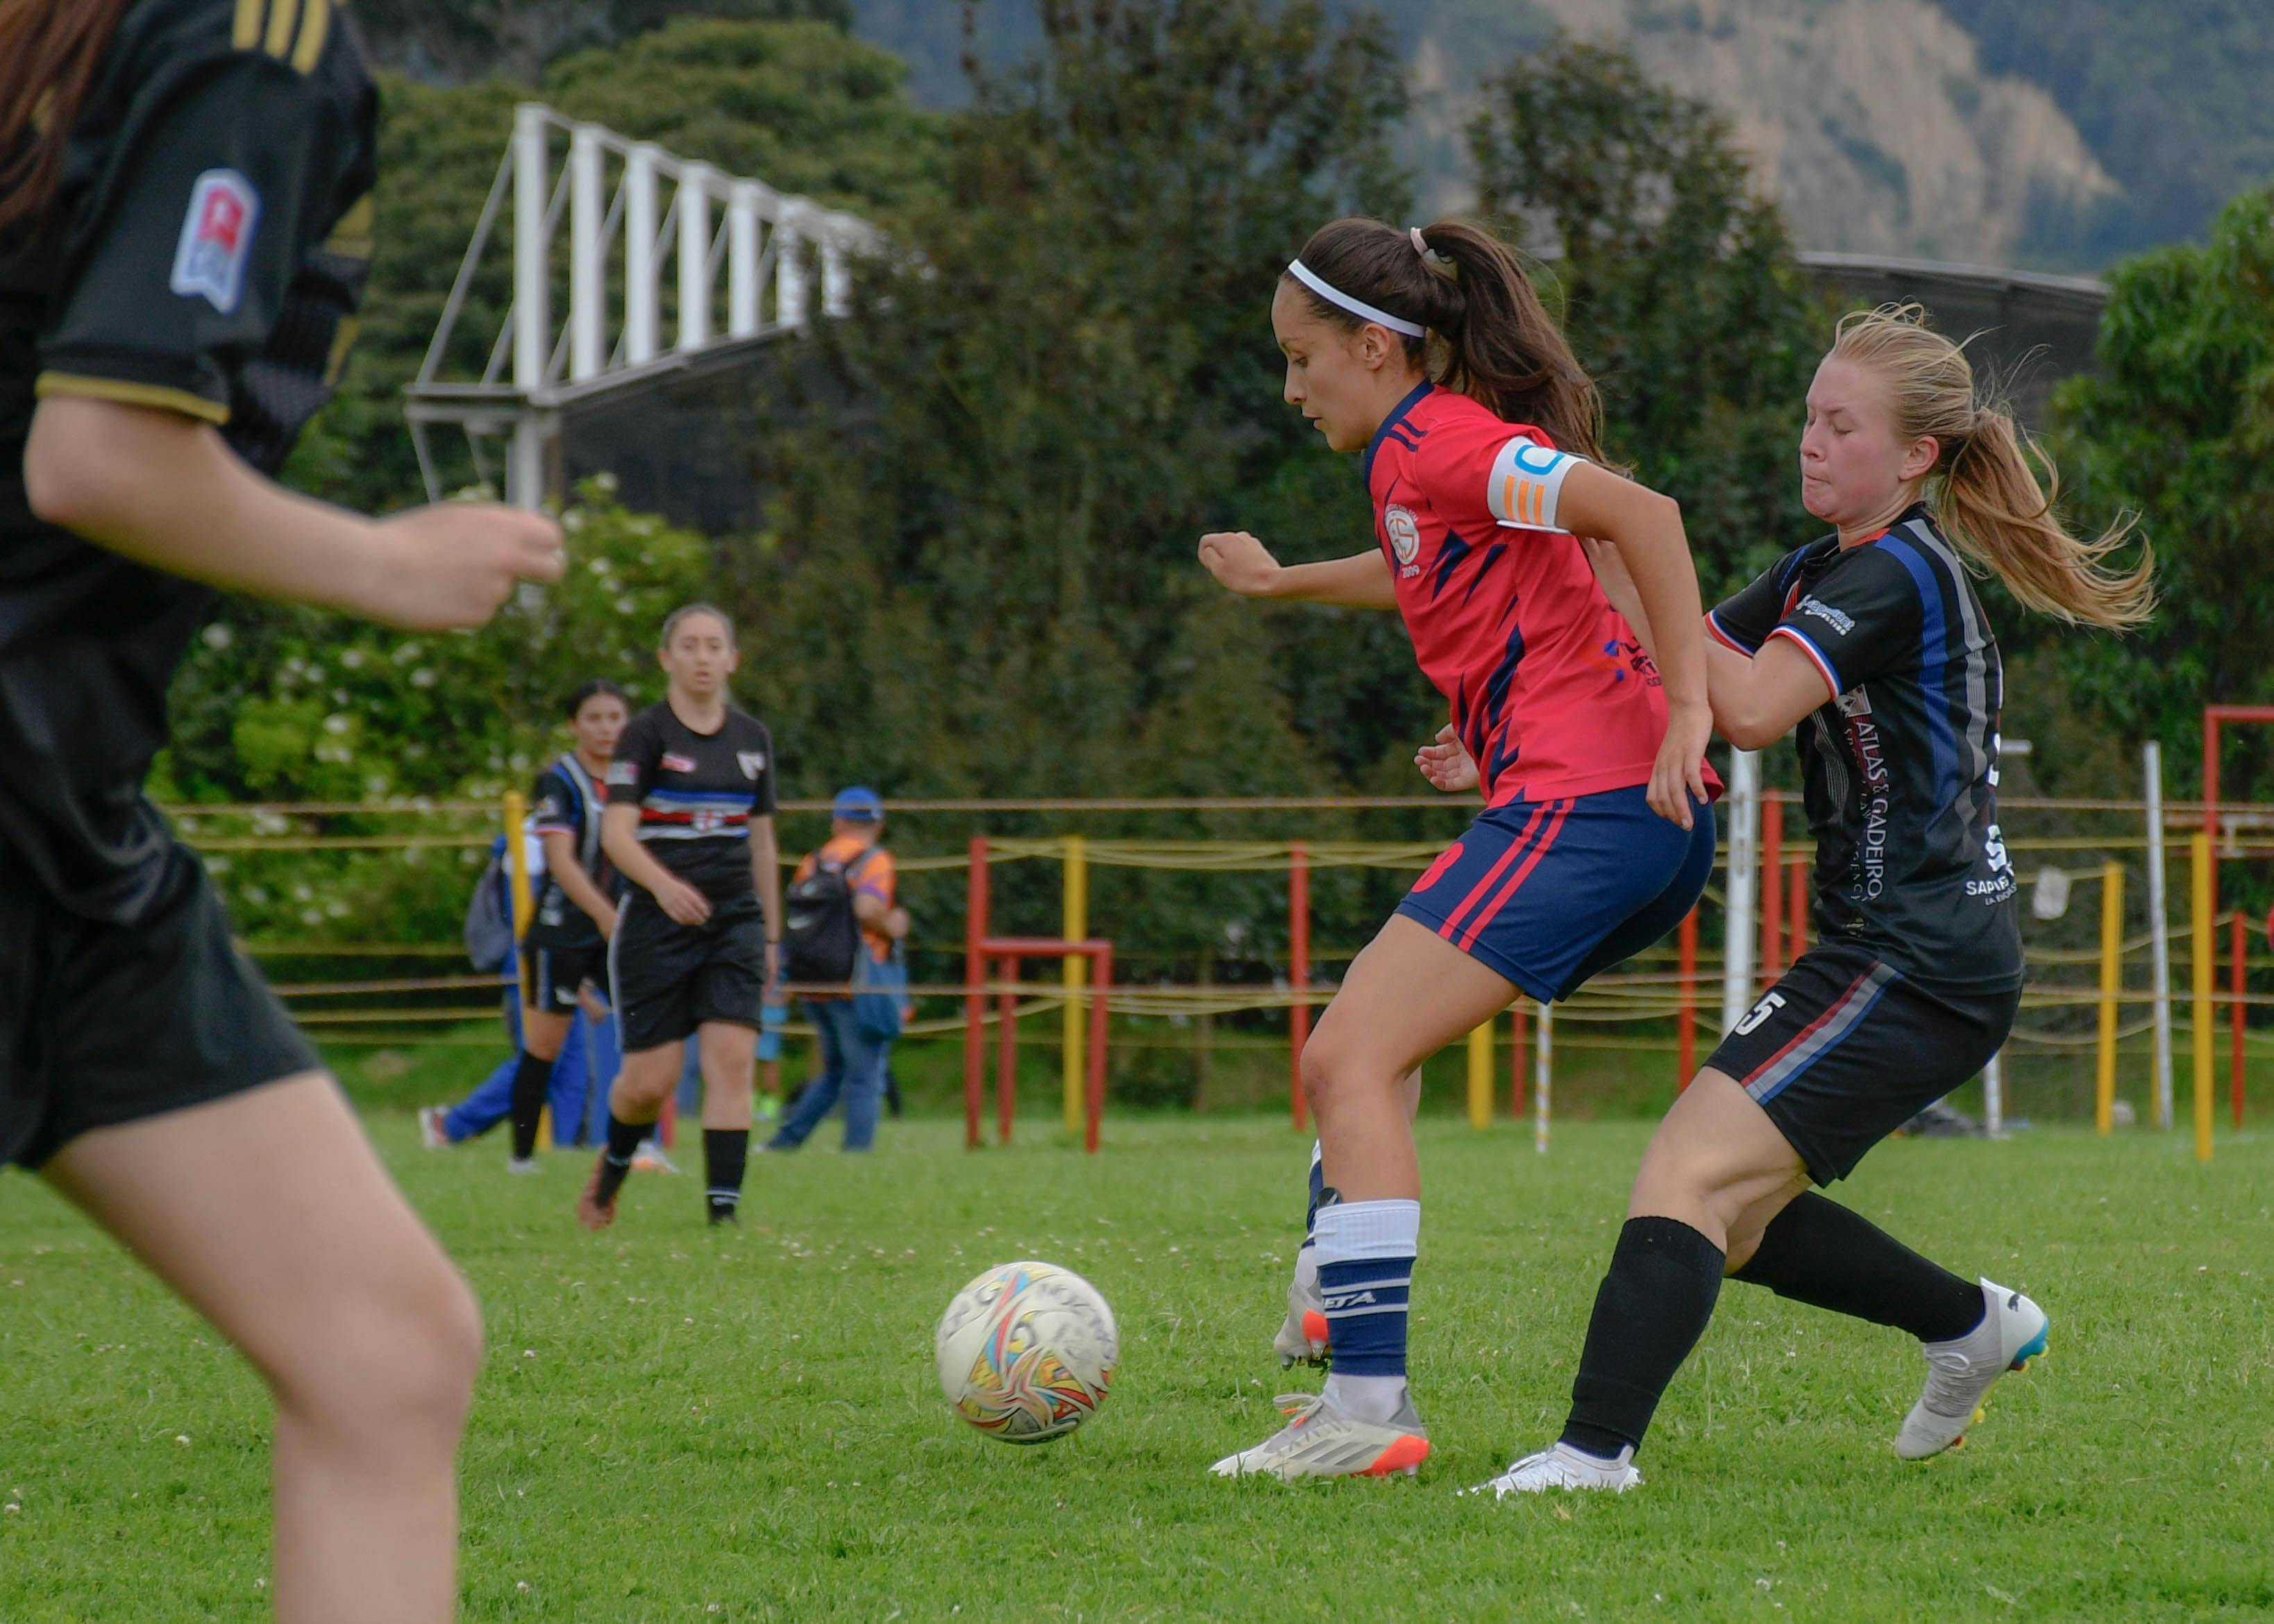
(2177, 427)
(1682, 293)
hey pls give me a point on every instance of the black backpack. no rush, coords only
(820, 932)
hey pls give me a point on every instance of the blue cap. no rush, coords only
(857, 805)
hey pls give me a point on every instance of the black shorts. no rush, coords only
(1845, 1049)
(102, 1024)
(550, 976)
(669, 977)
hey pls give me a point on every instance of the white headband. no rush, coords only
(1333, 295)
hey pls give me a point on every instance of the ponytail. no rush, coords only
(1984, 491)
(1486, 333)
(48, 56)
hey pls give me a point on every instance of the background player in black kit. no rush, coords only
(1873, 642)
(183, 227)
(690, 824)
(567, 943)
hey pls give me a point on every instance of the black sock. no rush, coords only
(726, 1151)
(529, 1080)
(1818, 1253)
(1650, 1310)
(616, 1161)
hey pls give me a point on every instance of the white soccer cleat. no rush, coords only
(648, 1158)
(1959, 1373)
(524, 1164)
(1322, 1440)
(430, 1128)
(1563, 1467)
(1302, 1338)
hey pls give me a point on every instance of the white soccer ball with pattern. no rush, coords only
(1027, 1351)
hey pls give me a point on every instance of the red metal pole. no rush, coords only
(1795, 895)
(1772, 887)
(1519, 1056)
(1006, 1048)
(1101, 989)
(1685, 1031)
(1298, 974)
(2237, 981)
(974, 998)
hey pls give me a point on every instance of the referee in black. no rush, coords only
(690, 825)
(185, 224)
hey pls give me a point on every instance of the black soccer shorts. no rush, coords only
(104, 1024)
(551, 976)
(669, 977)
(1845, 1049)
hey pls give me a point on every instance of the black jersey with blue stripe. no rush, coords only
(697, 795)
(567, 800)
(1899, 769)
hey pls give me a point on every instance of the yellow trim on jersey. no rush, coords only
(283, 14)
(352, 236)
(125, 394)
(316, 22)
(274, 26)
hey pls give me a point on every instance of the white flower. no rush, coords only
(352, 658)
(218, 636)
(406, 653)
(336, 724)
(424, 677)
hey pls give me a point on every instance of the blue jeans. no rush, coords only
(853, 1065)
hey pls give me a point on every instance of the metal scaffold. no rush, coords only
(649, 236)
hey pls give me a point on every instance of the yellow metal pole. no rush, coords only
(1075, 972)
(2200, 966)
(1481, 1076)
(523, 905)
(2112, 981)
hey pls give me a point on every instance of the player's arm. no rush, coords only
(162, 489)
(1645, 528)
(620, 839)
(766, 871)
(1245, 565)
(575, 884)
(1759, 700)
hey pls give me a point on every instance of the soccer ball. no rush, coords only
(1026, 1352)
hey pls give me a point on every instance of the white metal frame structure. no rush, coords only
(665, 214)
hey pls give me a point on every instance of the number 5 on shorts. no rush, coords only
(1760, 1012)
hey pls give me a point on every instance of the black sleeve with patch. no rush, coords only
(1744, 620)
(1858, 620)
(639, 747)
(555, 806)
(212, 263)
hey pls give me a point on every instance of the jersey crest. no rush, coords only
(216, 240)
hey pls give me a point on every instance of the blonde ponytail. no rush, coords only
(1984, 490)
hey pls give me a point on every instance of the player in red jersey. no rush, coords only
(1428, 351)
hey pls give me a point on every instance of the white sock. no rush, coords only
(1369, 1398)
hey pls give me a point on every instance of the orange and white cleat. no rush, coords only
(1323, 1441)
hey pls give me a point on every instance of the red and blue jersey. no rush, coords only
(1549, 687)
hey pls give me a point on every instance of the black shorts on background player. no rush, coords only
(697, 795)
(1845, 1049)
(208, 240)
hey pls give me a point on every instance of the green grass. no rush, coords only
(677, 1424)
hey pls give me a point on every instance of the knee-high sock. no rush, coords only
(1818, 1253)
(725, 1152)
(529, 1080)
(1650, 1310)
(616, 1161)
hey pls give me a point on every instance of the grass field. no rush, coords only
(674, 1424)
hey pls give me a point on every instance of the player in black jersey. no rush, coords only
(567, 943)
(1873, 642)
(184, 226)
(690, 824)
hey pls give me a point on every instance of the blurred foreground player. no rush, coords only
(184, 228)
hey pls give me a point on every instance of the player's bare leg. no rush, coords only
(314, 1266)
(1302, 1335)
(635, 1101)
